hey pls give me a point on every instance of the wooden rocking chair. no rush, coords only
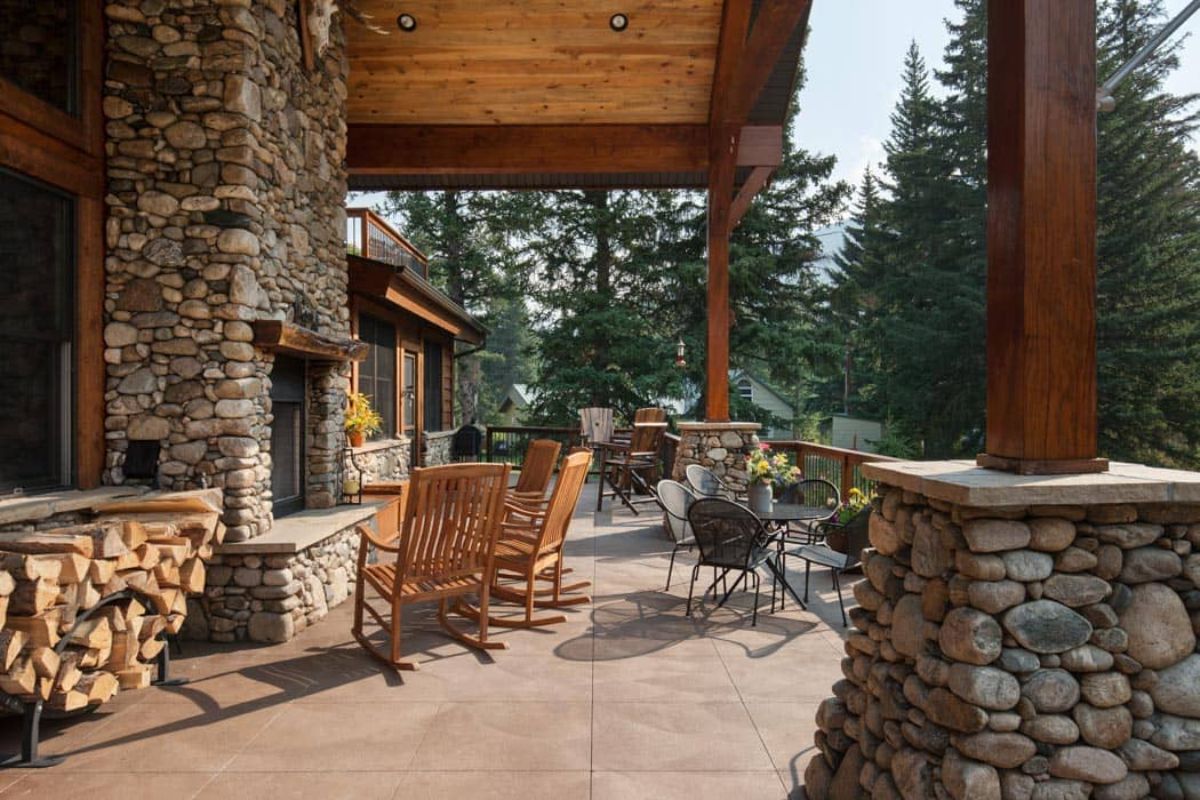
(536, 470)
(445, 550)
(530, 549)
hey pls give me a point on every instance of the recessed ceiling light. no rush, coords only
(619, 22)
(406, 23)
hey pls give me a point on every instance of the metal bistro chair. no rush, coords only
(675, 500)
(857, 538)
(705, 483)
(732, 539)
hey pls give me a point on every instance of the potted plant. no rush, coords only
(766, 470)
(361, 420)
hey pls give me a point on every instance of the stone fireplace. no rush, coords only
(1021, 637)
(225, 197)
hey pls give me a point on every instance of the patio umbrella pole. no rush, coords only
(31, 713)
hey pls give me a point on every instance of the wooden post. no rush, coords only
(1041, 289)
(720, 198)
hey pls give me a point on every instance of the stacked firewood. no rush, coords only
(50, 579)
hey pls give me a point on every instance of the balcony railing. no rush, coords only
(507, 444)
(841, 467)
(369, 235)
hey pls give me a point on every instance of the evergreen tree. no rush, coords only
(1149, 252)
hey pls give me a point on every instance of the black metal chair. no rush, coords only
(730, 539)
(857, 530)
(675, 499)
(705, 483)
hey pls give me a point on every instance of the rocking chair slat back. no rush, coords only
(538, 467)
(452, 520)
(564, 499)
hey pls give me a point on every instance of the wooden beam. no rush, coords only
(760, 146)
(753, 185)
(735, 24)
(774, 25)
(1041, 334)
(289, 338)
(523, 149)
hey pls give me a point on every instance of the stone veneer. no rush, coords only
(1041, 649)
(225, 200)
(438, 448)
(382, 461)
(720, 446)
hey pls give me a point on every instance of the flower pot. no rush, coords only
(759, 497)
(356, 438)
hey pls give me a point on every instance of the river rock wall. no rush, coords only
(1041, 653)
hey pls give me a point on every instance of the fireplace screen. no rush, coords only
(287, 436)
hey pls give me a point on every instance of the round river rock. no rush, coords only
(1045, 626)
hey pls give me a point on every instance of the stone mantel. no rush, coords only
(964, 483)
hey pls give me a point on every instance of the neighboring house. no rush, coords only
(851, 433)
(517, 398)
(764, 396)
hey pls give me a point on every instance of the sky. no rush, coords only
(855, 53)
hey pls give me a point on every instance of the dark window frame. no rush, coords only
(377, 372)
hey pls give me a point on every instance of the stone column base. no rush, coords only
(720, 446)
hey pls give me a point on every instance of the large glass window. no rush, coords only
(377, 372)
(287, 436)
(37, 235)
(39, 46)
(433, 386)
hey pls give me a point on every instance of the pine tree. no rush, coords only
(1149, 252)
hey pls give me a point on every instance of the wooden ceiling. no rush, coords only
(522, 62)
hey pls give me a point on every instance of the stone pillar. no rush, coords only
(720, 446)
(1020, 638)
(225, 192)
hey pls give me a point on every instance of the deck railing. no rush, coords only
(370, 236)
(841, 467)
(507, 444)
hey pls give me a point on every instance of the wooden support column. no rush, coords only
(1041, 301)
(720, 198)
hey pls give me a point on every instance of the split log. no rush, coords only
(148, 556)
(33, 543)
(166, 572)
(20, 679)
(135, 677)
(105, 537)
(133, 533)
(125, 647)
(26, 567)
(39, 631)
(33, 597)
(69, 672)
(92, 633)
(67, 700)
(101, 571)
(176, 548)
(8, 584)
(45, 662)
(11, 644)
(99, 686)
(191, 576)
(150, 649)
(72, 567)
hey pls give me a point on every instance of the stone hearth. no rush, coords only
(1021, 637)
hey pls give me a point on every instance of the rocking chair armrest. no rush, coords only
(522, 498)
(527, 510)
(370, 536)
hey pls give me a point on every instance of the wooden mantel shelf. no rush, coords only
(293, 340)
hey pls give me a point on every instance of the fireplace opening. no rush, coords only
(288, 436)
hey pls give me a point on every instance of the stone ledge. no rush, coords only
(964, 483)
(380, 445)
(300, 531)
(34, 508)
(719, 426)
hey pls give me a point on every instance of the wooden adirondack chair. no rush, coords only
(596, 425)
(537, 469)
(530, 549)
(449, 528)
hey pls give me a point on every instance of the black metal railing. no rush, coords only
(507, 444)
(841, 467)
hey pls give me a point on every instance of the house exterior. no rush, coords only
(761, 394)
(517, 398)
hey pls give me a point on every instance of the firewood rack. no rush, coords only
(31, 712)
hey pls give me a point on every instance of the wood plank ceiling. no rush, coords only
(521, 62)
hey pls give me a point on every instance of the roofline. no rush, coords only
(383, 276)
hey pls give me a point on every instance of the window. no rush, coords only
(288, 439)
(39, 53)
(37, 232)
(433, 386)
(745, 389)
(410, 391)
(377, 372)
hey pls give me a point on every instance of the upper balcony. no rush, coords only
(370, 236)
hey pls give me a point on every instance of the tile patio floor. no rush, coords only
(628, 699)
